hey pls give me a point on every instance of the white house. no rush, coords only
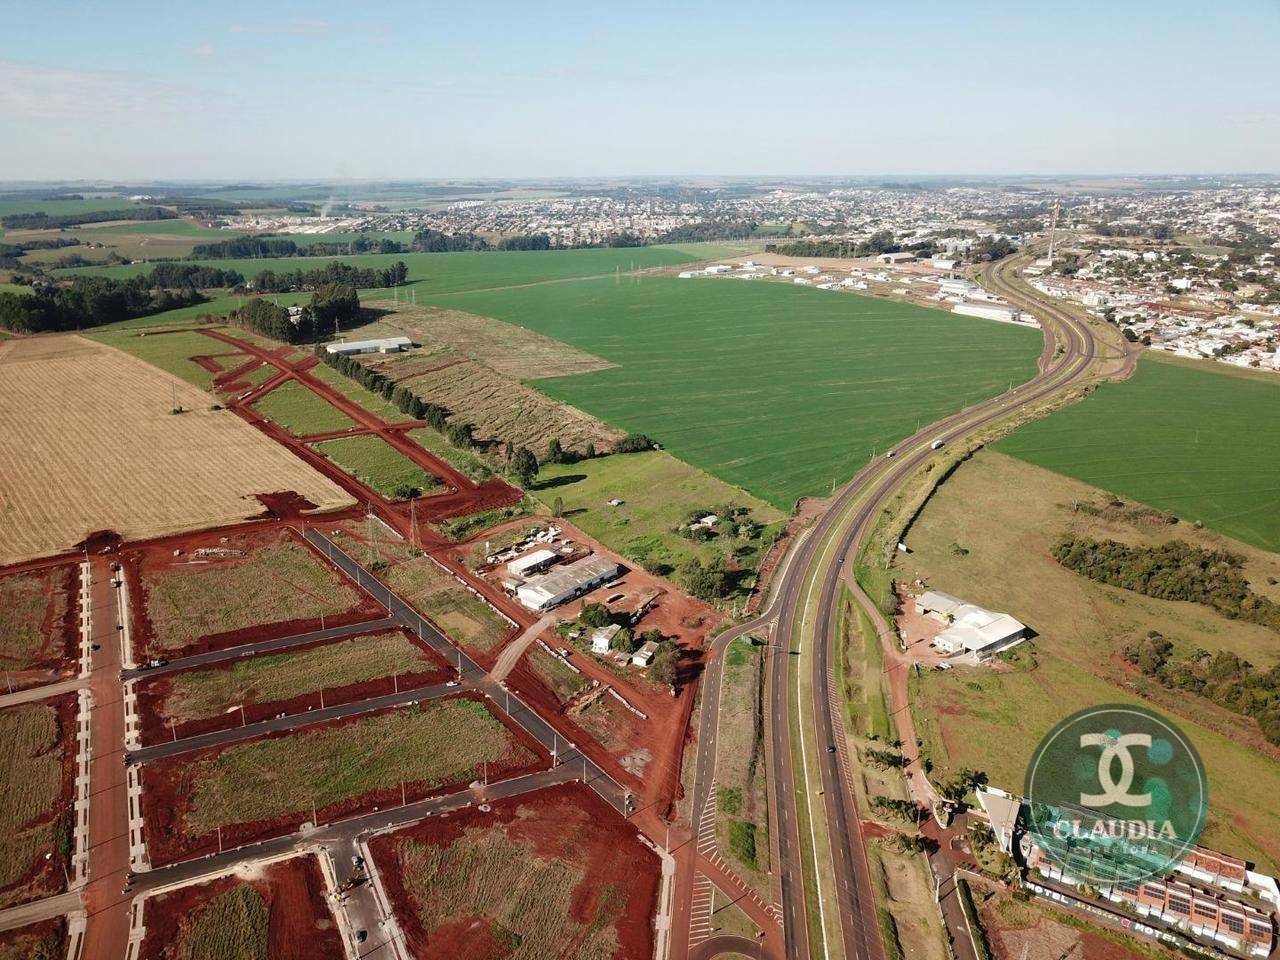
(644, 656)
(601, 637)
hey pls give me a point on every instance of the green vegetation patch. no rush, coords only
(302, 411)
(437, 595)
(234, 925)
(430, 745)
(372, 460)
(280, 582)
(464, 461)
(563, 682)
(30, 785)
(206, 693)
(172, 352)
(740, 765)
(374, 403)
(657, 493)
(780, 390)
(1200, 444)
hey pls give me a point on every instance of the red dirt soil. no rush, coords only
(56, 657)
(168, 789)
(569, 823)
(153, 693)
(300, 925)
(159, 555)
(52, 932)
(43, 877)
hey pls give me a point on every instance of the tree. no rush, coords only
(624, 641)
(557, 508)
(555, 452)
(707, 581)
(665, 666)
(633, 443)
(524, 466)
(460, 434)
(594, 615)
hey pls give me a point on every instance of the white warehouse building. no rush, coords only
(566, 582)
(971, 629)
(989, 311)
(384, 345)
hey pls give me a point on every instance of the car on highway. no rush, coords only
(891, 454)
(155, 663)
(937, 445)
(452, 683)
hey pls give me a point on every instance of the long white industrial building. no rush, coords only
(565, 583)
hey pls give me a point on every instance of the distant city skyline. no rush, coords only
(144, 91)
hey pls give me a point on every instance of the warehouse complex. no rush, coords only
(970, 628)
(566, 582)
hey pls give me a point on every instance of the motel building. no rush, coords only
(1209, 899)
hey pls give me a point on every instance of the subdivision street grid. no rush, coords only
(825, 904)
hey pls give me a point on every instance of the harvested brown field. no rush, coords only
(510, 350)
(279, 582)
(88, 443)
(277, 913)
(553, 874)
(500, 406)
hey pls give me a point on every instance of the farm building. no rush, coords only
(644, 656)
(565, 583)
(602, 637)
(385, 345)
(534, 562)
(971, 629)
(895, 258)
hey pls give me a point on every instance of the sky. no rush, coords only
(319, 90)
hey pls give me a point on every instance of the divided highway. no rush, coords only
(805, 603)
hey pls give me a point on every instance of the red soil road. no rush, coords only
(107, 930)
(153, 693)
(568, 823)
(300, 924)
(43, 878)
(56, 657)
(464, 495)
(168, 789)
(156, 557)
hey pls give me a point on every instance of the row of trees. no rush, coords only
(879, 242)
(1172, 571)
(42, 221)
(1222, 677)
(425, 240)
(88, 302)
(174, 274)
(393, 275)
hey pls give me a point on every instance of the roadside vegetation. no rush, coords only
(742, 802)
(275, 583)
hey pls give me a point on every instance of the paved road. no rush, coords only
(293, 721)
(1068, 356)
(263, 646)
(37, 910)
(43, 692)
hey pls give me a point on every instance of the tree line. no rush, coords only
(1172, 571)
(269, 281)
(425, 240)
(42, 221)
(1222, 677)
(89, 302)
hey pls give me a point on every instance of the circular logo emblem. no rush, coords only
(1115, 794)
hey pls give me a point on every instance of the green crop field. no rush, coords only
(168, 228)
(300, 411)
(434, 273)
(780, 390)
(372, 460)
(59, 208)
(1200, 444)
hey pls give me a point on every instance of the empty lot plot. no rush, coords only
(375, 462)
(742, 805)
(301, 411)
(555, 874)
(279, 912)
(436, 594)
(1197, 442)
(34, 609)
(88, 442)
(278, 582)
(172, 352)
(375, 403)
(505, 410)
(33, 776)
(780, 390)
(563, 682)
(38, 941)
(198, 694)
(262, 786)
(511, 350)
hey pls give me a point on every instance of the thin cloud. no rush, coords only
(204, 51)
(32, 92)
